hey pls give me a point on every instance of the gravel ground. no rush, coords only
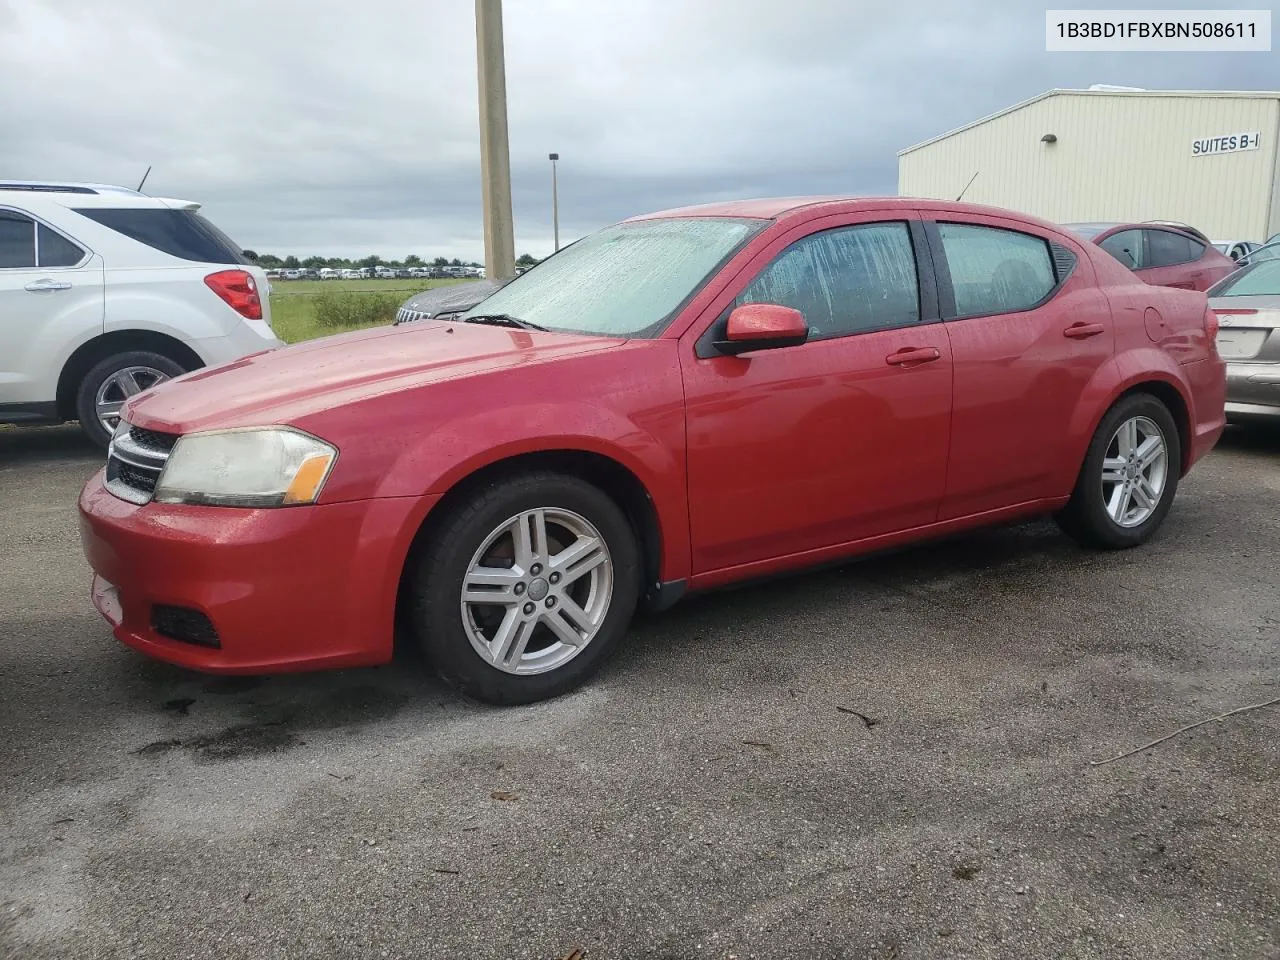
(889, 759)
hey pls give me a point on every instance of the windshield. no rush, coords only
(1256, 280)
(628, 280)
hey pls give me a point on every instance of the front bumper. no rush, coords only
(1253, 390)
(297, 588)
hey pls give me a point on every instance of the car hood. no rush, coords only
(288, 384)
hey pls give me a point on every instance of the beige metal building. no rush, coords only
(1206, 158)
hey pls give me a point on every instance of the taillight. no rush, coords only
(1211, 326)
(238, 290)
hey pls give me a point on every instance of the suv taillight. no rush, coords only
(239, 290)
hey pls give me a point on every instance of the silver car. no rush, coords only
(445, 302)
(1247, 303)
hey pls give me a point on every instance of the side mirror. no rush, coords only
(762, 326)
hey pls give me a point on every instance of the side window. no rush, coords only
(1166, 248)
(1126, 246)
(56, 250)
(845, 280)
(995, 270)
(17, 240)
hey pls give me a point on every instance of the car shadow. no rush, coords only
(23, 446)
(1251, 437)
(214, 719)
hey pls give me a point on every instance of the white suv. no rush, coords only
(105, 292)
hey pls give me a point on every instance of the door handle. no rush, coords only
(42, 285)
(1079, 331)
(912, 356)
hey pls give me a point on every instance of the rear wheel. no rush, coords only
(1129, 477)
(526, 588)
(114, 380)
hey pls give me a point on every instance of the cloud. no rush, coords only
(351, 129)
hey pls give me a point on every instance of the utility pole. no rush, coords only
(555, 199)
(495, 155)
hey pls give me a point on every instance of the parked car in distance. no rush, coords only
(1165, 256)
(1179, 225)
(1237, 250)
(1268, 251)
(681, 401)
(105, 292)
(1247, 304)
(445, 303)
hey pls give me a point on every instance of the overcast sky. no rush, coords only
(350, 128)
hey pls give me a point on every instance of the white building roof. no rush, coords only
(1234, 94)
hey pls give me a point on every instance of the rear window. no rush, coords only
(1256, 280)
(180, 233)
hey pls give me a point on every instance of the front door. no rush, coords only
(841, 438)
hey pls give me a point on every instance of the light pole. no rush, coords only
(495, 155)
(555, 199)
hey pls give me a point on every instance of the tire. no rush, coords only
(452, 634)
(1088, 516)
(150, 368)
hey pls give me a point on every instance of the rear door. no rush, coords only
(838, 439)
(1028, 331)
(51, 301)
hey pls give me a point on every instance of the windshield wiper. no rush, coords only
(504, 320)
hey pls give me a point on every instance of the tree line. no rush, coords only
(270, 261)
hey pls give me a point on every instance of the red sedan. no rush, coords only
(680, 401)
(1160, 254)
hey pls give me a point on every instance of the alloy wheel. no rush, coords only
(119, 387)
(537, 591)
(1134, 471)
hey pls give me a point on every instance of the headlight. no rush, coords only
(254, 467)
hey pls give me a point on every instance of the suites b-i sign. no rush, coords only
(1230, 143)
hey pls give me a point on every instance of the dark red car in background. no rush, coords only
(680, 401)
(1163, 255)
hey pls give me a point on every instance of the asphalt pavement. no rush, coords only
(889, 759)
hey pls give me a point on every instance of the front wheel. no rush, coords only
(525, 588)
(1129, 477)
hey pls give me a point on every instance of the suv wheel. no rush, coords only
(1129, 477)
(110, 382)
(525, 588)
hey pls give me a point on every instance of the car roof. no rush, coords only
(72, 194)
(772, 208)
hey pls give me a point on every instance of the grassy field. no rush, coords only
(293, 303)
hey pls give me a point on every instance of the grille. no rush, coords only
(405, 315)
(184, 624)
(153, 440)
(135, 461)
(137, 478)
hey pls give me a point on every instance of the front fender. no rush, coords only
(626, 404)
(462, 447)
